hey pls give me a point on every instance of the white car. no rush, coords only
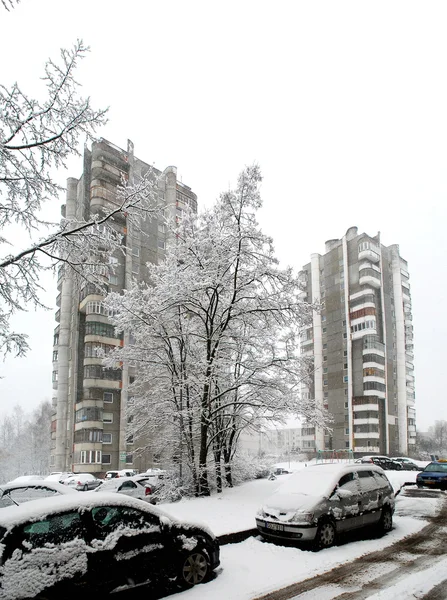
(59, 476)
(137, 486)
(120, 473)
(83, 482)
(14, 494)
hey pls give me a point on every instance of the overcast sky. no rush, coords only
(343, 105)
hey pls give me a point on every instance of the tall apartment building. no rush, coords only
(90, 428)
(362, 345)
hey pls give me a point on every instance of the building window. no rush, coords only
(92, 436)
(326, 394)
(324, 381)
(324, 346)
(324, 357)
(346, 392)
(345, 379)
(161, 228)
(325, 370)
(129, 439)
(108, 397)
(135, 268)
(135, 251)
(106, 459)
(347, 431)
(345, 365)
(54, 355)
(345, 353)
(347, 444)
(107, 418)
(106, 438)
(99, 372)
(323, 317)
(56, 339)
(161, 244)
(129, 459)
(346, 404)
(324, 329)
(113, 279)
(55, 376)
(90, 457)
(345, 335)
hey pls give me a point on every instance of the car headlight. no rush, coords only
(303, 517)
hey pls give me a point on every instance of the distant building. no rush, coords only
(90, 428)
(361, 345)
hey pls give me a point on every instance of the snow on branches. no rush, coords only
(215, 337)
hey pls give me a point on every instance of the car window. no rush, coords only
(127, 485)
(348, 482)
(109, 518)
(381, 479)
(54, 529)
(367, 481)
(20, 495)
(436, 468)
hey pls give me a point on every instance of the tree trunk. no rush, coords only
(218, 468)
(228, 473)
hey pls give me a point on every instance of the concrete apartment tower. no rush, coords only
(90, 429)
(362, 345)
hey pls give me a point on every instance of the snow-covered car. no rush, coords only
(25, 478)
(59, 476)
(83, 482)
(97, 543)
(320, 501)
(14, 494)
(120, 473)
(137, 486)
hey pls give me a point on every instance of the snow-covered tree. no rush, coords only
(215, 336)
(35, 138)
(25, 442)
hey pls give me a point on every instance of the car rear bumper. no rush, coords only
(286, 531)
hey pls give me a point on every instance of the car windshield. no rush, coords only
(436, 468)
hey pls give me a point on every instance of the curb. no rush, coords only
(235, 538)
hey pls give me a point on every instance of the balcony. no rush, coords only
(369, 277)
(369, 254)
(368, 449)
(368, 421)
(58, 300)
(57, 316)
(373, 435)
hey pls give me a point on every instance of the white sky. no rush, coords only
(343, 105)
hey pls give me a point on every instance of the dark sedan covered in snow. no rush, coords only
(97, 544)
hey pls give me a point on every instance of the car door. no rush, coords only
(347, 494)
(54, 548)
(371, 496)
(129, 543)
(129, 488)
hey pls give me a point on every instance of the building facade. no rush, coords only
(90, 428)
(361, 345)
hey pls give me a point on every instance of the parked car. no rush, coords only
(137, 486)
(408, 465)
(280, 471)
(83, 482)
(98, 543)
(321, 501)
(25, 478)
(59, 476)
(14, 494)
(434, 475)
(387, 463)
(120, 473)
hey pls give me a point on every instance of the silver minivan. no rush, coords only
(320, 501)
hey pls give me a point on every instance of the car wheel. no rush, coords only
(325, 535)
(386, 520)
(85, 488)
(194, 568)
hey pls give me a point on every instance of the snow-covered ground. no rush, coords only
(253, 568)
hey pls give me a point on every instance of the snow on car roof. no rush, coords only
(39, 509)
(116, 482)
(37, 483)
(320, 480)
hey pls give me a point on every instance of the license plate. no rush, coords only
(429, 481)
(274, 526)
